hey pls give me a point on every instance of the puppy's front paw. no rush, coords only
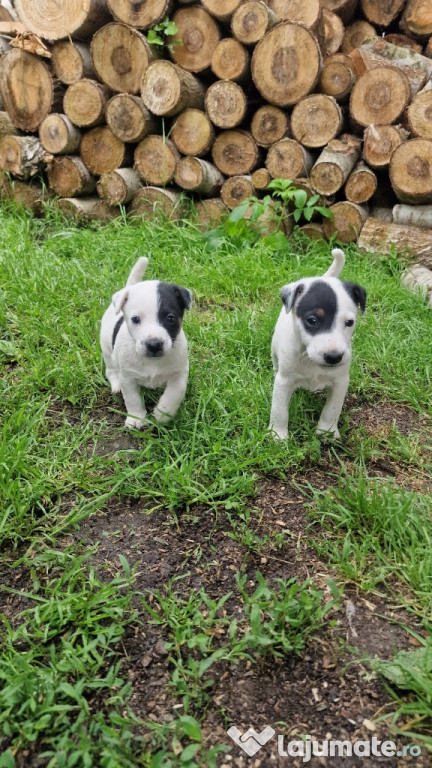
(328, 433)
(161, 417)
(133, 422)
(278, 434)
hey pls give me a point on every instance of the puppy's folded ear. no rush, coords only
(289, 293)
(119, 299)
(357, 293)
(185, 296)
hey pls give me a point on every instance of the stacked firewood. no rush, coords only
(334, 94)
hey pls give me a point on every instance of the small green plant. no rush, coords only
(282, 619)
(410, 671)
(171, 749)
(160, 32)
(265, 219)
(297, 201)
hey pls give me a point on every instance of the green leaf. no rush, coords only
(238, 212)
(189, 752)
(7, 760)
(190, 727)
(300, 197)
(325, 212)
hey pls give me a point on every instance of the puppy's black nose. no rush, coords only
(154, 347)
(332, 358)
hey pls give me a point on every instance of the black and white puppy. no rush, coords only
(145, 345)
(311, 345)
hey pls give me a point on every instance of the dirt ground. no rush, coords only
(327, 691)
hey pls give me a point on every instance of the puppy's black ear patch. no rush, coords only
(357, 294)
(185, 296)
(289, 294)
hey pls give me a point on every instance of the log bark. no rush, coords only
(121, 56)
(235, 153)
(236, 189)
(4, 45)
(251, 20)
(23, 156)
(414, 215)
(380, 237)
(261, 178)
(221, 9)
(287, 159)
(361, 184)
(226, 104)
(381, 213)
(417, 19)
(316, 120)
(380, 96)
(210, 213)
(381, 12)
(128, 118)
(308, 13)
(230, 61)
(142, 15)
(167, 89)
(402, 41)
(7, 127)
(269, 125)
(419, 115)
(192, 133)
(155, 160)
(199, 33)
(338, 76)
(334, 164)
(400, 57)
(332, 33)
(410, 171)
(365, 59)
(71, 61)
(286, 64)
(419, 280)
(27, 89)
(86, 209)
(55, 21)
(344, 8)
(380, 141)
(85, 103)
(347, 223)
(58, 135)
(69, 177)
(101, 151)
(155, 201)
(199, 176)
(120, 186)
(356, 34)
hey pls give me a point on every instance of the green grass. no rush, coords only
(57, 464)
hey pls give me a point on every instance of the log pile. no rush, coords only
(334, 94)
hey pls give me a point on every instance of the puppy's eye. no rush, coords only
(136, 320)
(349, 323)
(312, 321)
(170, 318)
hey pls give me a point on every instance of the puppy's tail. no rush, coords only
(137, 271)
(337, 265)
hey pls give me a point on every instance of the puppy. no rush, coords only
(143, 344)
(311, 345)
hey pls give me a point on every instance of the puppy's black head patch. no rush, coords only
(317, 308)
(357, 293)
(172, 302)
